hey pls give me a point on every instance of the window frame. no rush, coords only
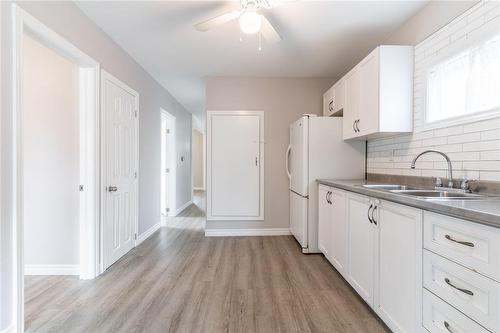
(469, 40)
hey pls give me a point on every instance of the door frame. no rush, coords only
(106, 76)
(172, 150)
(204, 159)
(210, 115)
(23, 23)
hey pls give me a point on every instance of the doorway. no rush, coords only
(55, 137)
(168, 165)
(198, 160)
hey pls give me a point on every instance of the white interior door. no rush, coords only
(120, 105)
(235, 164)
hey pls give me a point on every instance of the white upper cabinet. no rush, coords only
(379, 94)
(333, 100)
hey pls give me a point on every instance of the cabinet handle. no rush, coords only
(330, 107)
(447, 326)
(373, 212)
(357, 128)
(326, 196)
(112, 188)
(465, 291)
(448, 237)
(330, 197)
(369, 218)
(354, 126)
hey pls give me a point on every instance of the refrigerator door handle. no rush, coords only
(288, 151)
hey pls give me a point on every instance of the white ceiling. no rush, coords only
(320, 39)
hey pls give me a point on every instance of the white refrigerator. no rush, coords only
(317, 150)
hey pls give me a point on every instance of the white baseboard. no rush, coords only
(52, 270)
(181, 208)
(199, 188)
(146, 234)
(247, 232)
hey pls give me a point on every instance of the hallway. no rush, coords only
(180, 281)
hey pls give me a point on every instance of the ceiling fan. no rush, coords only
(251, 20)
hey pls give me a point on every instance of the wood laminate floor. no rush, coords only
(180, 281)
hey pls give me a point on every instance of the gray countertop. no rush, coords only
(485, 211)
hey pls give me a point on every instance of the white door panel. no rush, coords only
(299, 156)
(235, 166)
(120, 158)
(298, 218)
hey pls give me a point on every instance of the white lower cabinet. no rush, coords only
(360, 242)
(398, 266)
(377, 246)
(332, 227)
(440, 317)
(324, 220)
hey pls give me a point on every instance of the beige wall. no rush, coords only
(283, 100)
(51, 157)
(427, 21)
(198, 160)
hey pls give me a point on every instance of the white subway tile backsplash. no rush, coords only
(490, 155)
(482, 146)
(469, 137)
(474, 148)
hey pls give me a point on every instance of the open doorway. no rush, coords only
(55, 191)
(168, 165)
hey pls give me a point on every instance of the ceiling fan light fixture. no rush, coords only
(250, 22)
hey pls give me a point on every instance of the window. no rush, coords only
(468, 83)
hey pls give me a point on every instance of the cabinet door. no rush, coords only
(369, 94)
(398, 275)
(338, 256)
(360, 246)
(324, 220)
(329, 102)
(351, 107)
(339, 96)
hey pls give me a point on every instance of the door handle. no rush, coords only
(373, 212)
(448, 237)
(447, 326)
(112, 188)
(288, 151)
(369, 209)
(465, 291)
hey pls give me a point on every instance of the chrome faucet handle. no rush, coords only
(464, 184)
(439, 182)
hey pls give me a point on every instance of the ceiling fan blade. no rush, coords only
(268, 32)
(216, 21)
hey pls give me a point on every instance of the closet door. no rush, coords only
(235, 168)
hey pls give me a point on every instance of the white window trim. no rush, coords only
(442, 55)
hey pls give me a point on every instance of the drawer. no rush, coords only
(440, 317)
(473, 294)
(473, 245)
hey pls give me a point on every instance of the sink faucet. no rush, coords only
(450, 169)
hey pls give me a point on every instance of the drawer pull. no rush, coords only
(465, 291)
(447, 326)
(448, 237)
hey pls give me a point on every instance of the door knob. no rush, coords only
(112, 188)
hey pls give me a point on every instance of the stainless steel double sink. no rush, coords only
(427, 194)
